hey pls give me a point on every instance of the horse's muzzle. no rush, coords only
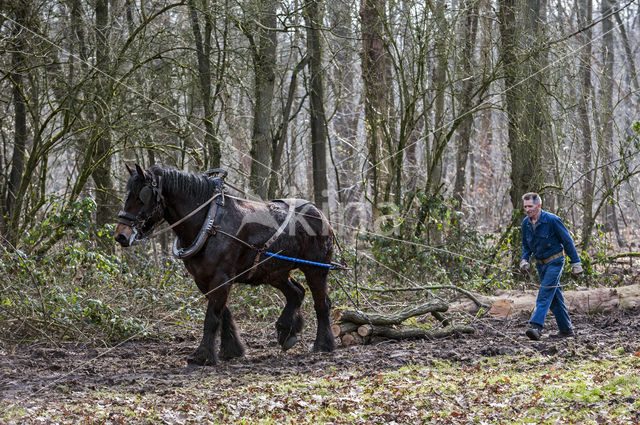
(125, 235)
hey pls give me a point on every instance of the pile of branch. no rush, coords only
(356, 327)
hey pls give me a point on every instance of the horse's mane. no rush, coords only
(196, 186)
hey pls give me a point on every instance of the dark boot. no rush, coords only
(567, 333)
(534, 332)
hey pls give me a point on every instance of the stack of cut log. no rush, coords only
(356, 327)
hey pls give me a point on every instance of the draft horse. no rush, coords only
(225, 242)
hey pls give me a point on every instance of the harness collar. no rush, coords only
(206, 230)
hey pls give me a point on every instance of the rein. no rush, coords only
(183, 219)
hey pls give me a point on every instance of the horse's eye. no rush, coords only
(145, 195)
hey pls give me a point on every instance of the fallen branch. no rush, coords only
(416, 332)
(428, 288)
(623, 255)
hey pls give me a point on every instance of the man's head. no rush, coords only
(532, 204)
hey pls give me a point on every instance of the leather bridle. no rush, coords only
(148, 194)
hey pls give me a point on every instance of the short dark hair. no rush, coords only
(532, 196)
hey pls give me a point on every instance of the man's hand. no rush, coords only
(576, 269)
(525, 267)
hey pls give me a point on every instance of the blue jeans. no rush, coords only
(550, 296)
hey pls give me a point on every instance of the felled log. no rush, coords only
(414, 332)
(520, 304)
(347, 340)
(352, 338)
(365, 330)
(395, 318)
(339, 329)
(357, 327)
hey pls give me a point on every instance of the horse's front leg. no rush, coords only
(205, 354)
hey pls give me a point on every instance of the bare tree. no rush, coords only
(21, 11)
(585, 15)
(606, 139)
(467, 72)
(521, 48)
(263, 43)
(99, 150)
(344, 88)
(374, 75)
(316, 99)
(202, 39)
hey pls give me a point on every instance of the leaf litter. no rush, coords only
(493, 376)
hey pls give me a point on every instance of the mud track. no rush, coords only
(29, 372)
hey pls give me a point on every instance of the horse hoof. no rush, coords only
(201, 359)
(290, 342)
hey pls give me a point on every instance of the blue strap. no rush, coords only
(298, 260)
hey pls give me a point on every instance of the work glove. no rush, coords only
(525, 267)
(576, 269)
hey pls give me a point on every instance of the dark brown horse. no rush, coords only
(232, 249)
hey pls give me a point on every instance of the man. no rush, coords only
(545, 236)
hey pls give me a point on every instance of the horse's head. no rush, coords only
(143, 207)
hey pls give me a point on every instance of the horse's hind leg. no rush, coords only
(290, 322)
(317, 281)
(230, 344)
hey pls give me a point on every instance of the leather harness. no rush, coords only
(209, 227)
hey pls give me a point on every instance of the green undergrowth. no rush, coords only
(87, 295)
(81, 288)
(504, 390)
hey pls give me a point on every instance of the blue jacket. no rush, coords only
(549, 238)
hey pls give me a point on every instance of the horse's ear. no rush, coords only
(139, 170)
(129, 169)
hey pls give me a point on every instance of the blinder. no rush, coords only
(153, 201)
(145, 195)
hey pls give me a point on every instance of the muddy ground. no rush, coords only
(29, 372)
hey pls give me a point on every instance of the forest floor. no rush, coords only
(493, 376)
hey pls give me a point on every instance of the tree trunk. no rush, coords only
(316, 100)
(20, 123)
(606, 140)
(203, 52)
(434, 162)
(345, 121)
(280, 137)
(585, 15)
(470, 30)
(374, 75)
(633, 73)
(521, 49)
(264, 63)
(101, 135)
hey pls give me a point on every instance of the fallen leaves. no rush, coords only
(501, 389)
